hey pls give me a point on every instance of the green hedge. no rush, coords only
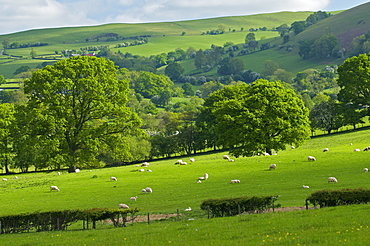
(234, 206)
(60, 220)
(331, 198)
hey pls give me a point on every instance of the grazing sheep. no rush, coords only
(233, 181)
(143, 191)
(356, 150)
(133, 198)
(325, 150)
(201, 178)
(58, 173)
(226, 157)
(272, 166)
(4, 179)
(142, 170)
(113, 178)
(178, 162)
(332, 179)
(188, 209)
(77, 170)
(16, 177)
(366, 170)
(305, 187)
(266, 154)
(192, 159)
(199, 181)
(311, 158)
(149, 170)
(145, 164)
(122, 205)
(149, 190)
(183, 163)
(206, 176)
(292, 147)
(53, 187)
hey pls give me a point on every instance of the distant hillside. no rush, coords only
(346, 25)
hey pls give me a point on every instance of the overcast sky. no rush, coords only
(20, 15)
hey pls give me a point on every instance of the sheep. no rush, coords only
(226, 157)
(77, 170)
(332, 179)
(113, 178)
(142, 170)
(206, 176)
(188, 209)
(4, 179)
(149, 170)
(137, 166)
(292, 147)
(53, 187)
(367, 148)
(266, 154)
(149, 190)
(122, 205)
(133, 198)
(199, 181)
(201, 178)
(231, 160)
(356, 150)
(311, 158)
(366, 170)
(183, 163)
(233, 181)
(272, 166)
(192, 159)
(145, 164)
(305, 187)
(178, 162)
(59, 173)
(143, 191)
(16, 177)
(325, 150)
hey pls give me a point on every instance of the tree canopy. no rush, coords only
(80, 109)
(257, 118)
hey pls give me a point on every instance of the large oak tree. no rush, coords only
(258, 118)
(81, 108)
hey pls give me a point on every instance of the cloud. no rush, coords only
(33, 14)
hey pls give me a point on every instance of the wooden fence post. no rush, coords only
(178, 215)
(148, 218)
(208, 213)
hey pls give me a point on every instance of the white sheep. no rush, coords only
(4, 179)
(233, 181)
(183, 163)
(199, 181)
(143, 191)
(149, 170)
(133, 198)
(77, 170)
(145, 164)
(305, 187)
(266, 154)
(192, 159)
(53, 187)
(311, 158)
(201, 178)
(332, 180)
(142, 170)
(366, 170)
(188, 209)
(356, 150)
(149, 190)
(59, 173)
(325, 150)
(178, 162)
(206, 176)
(231, 159)
(16, 177)
(226, 157)
(272, 166)
(113, 178)
(292, 147)
(122, 205)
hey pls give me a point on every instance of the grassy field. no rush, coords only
(174, 187)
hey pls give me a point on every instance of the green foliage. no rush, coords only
(224, 207)
(81, 108)
(6, 119)
(331, 198)
(174, 71)
(326, 116)
(258, 118)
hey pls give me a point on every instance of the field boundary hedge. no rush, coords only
(61, 219)
(332, 198)
(224, 207)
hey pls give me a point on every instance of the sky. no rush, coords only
(22, 15)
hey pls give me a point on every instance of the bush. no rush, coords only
(331, 198)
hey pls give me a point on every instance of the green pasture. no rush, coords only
(175, 188)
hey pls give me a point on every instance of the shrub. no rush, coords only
(331, 198)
